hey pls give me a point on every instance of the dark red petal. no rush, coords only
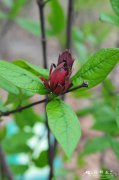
(45, 81)
(51, 67)
(58, 76)
(66, 57)
(68, 86)
(59, 89)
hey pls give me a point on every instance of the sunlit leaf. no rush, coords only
(32, 68)
(97, 67)
(21, 78)
(9, 87)
(64, 124)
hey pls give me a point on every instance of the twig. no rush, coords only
(69, 24)
(21, 108)
(7, 113)
(6, 169)
(84, 84)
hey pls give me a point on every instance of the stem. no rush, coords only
(41, 5)
(69, 24)
(7, 113)
(4, 165)
(43, 35)
(77, 87)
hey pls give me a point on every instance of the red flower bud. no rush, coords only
(59, 79)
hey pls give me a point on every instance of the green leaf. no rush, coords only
(9, 87)
(109, 19)
(117, 111)
(21, 78)
(18, 100)
(27, 117)
(107, 126)
(32, 68)
(3, 131)
(17, 6)
(96, 144)
(103, 112)
(78, 35)
(85, 111)
(98, 66)
(29, 25)
(107, 89)
(18, 168)
(3, 108)
(32, 27)
(42, 160)
(81, 52)
(115, 6)
(18, 143)
(56, 17)
(105, 119)
(16, 149)
(114, 145)
(64, 124)
(20, 137)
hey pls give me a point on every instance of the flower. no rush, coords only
(59, 78)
